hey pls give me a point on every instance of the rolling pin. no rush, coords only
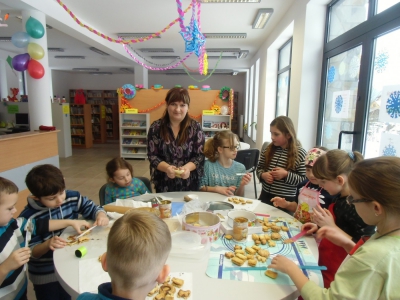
(117, 209)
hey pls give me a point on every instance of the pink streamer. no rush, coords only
(152, 68)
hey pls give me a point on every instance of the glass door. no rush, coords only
(341, 96)
(383, 127)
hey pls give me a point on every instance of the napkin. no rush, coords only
(132, 203)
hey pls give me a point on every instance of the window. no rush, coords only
(359, 104)
(250, 102)
(283, 80)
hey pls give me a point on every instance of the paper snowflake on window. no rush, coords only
(338, 104)
(389, 150)
(331, 74)
(393, 105)
(381, 61)
(354, 67)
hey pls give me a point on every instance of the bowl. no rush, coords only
(241, 213)
(203, 223)
(219, 205)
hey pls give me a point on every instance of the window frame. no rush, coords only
(283, 70)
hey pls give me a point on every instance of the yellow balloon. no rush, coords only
(35, 51)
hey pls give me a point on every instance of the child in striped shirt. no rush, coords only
(282, 164)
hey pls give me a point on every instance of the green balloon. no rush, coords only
(34, 28)
(35, 51)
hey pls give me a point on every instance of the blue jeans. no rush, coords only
(50, 291)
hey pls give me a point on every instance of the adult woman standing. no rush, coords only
(175, 145)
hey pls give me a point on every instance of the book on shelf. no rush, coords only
(128, 141)
(215, 125)
(133, 123)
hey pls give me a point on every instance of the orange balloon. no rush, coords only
(35, 69)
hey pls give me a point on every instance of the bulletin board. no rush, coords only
(199, 101)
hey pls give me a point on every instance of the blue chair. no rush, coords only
(102, 191)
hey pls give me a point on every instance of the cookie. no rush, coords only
(228, 237)
(237, 261)
(252, 262)
(229, 254)
(271, 274)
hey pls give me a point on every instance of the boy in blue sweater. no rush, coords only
(13, 251)
(50, 200)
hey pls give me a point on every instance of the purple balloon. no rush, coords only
(20, 62)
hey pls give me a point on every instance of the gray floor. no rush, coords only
(84, 171)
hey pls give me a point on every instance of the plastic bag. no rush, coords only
(79, 97)
(194, 206)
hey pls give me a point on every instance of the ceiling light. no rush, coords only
(136, 35)
(98, 51)
(262, 18)
(222, 57)
(5, 39)
(157, 50)
(223, 50)
(100, 73)
(225, 35)
(165, 57)
(243, 53)
(230, 1)
(55, 49)
(69, 57)
(234, 73)
(127, 70)
(85, 69)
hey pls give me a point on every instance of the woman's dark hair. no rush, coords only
(176, 94)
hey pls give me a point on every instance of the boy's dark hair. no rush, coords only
(45, 180)
(7, 187)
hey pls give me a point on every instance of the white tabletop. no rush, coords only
(204, 287)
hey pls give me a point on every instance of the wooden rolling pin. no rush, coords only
(117, 209)
(124, 209)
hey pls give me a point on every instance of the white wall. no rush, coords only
(305, 20)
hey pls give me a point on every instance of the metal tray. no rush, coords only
(219, 205)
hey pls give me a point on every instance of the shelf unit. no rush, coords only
(112, 119)
(81, 125)
(99, 123)
(214, 123)
(109, 97)
(133, 135)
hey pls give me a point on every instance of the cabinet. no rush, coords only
(214, 123)
(99, 123)
(81, 125)
(133, 135)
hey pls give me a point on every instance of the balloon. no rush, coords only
(20, 62)
(224, 110)
(20, 39)
(34, 28)
(35, 51)
(35, 69)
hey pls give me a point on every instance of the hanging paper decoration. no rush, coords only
(119, 41)
(129, 91)
(157, 87)
(224, 93)
(230, 103)
(153, 68)
(204, 79)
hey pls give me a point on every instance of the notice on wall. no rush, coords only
(12, 109)
(340, 104)
(389, 110)
(389, 145)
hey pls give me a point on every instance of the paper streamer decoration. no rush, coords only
(119, 41)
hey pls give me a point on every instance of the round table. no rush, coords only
(204, 287)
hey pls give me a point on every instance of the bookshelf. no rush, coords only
(133, 135)
(112, 122)
(106, 97)
(214, 123)
(99, 123)
(81, 125)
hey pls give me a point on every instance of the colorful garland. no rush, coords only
(153, 68)
(230, 103)
(204, 79)
(119, 41)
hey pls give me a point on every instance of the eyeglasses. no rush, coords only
(232, 148)
(350, 200)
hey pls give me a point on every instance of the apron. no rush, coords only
(330, 255)
(307, 200)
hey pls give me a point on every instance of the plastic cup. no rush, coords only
(165, 209)
(81, 252)
(240, 229)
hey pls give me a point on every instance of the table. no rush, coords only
(67, 265)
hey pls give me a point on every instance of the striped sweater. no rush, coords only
(41, 270)
(285, 187)
(12, 237)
